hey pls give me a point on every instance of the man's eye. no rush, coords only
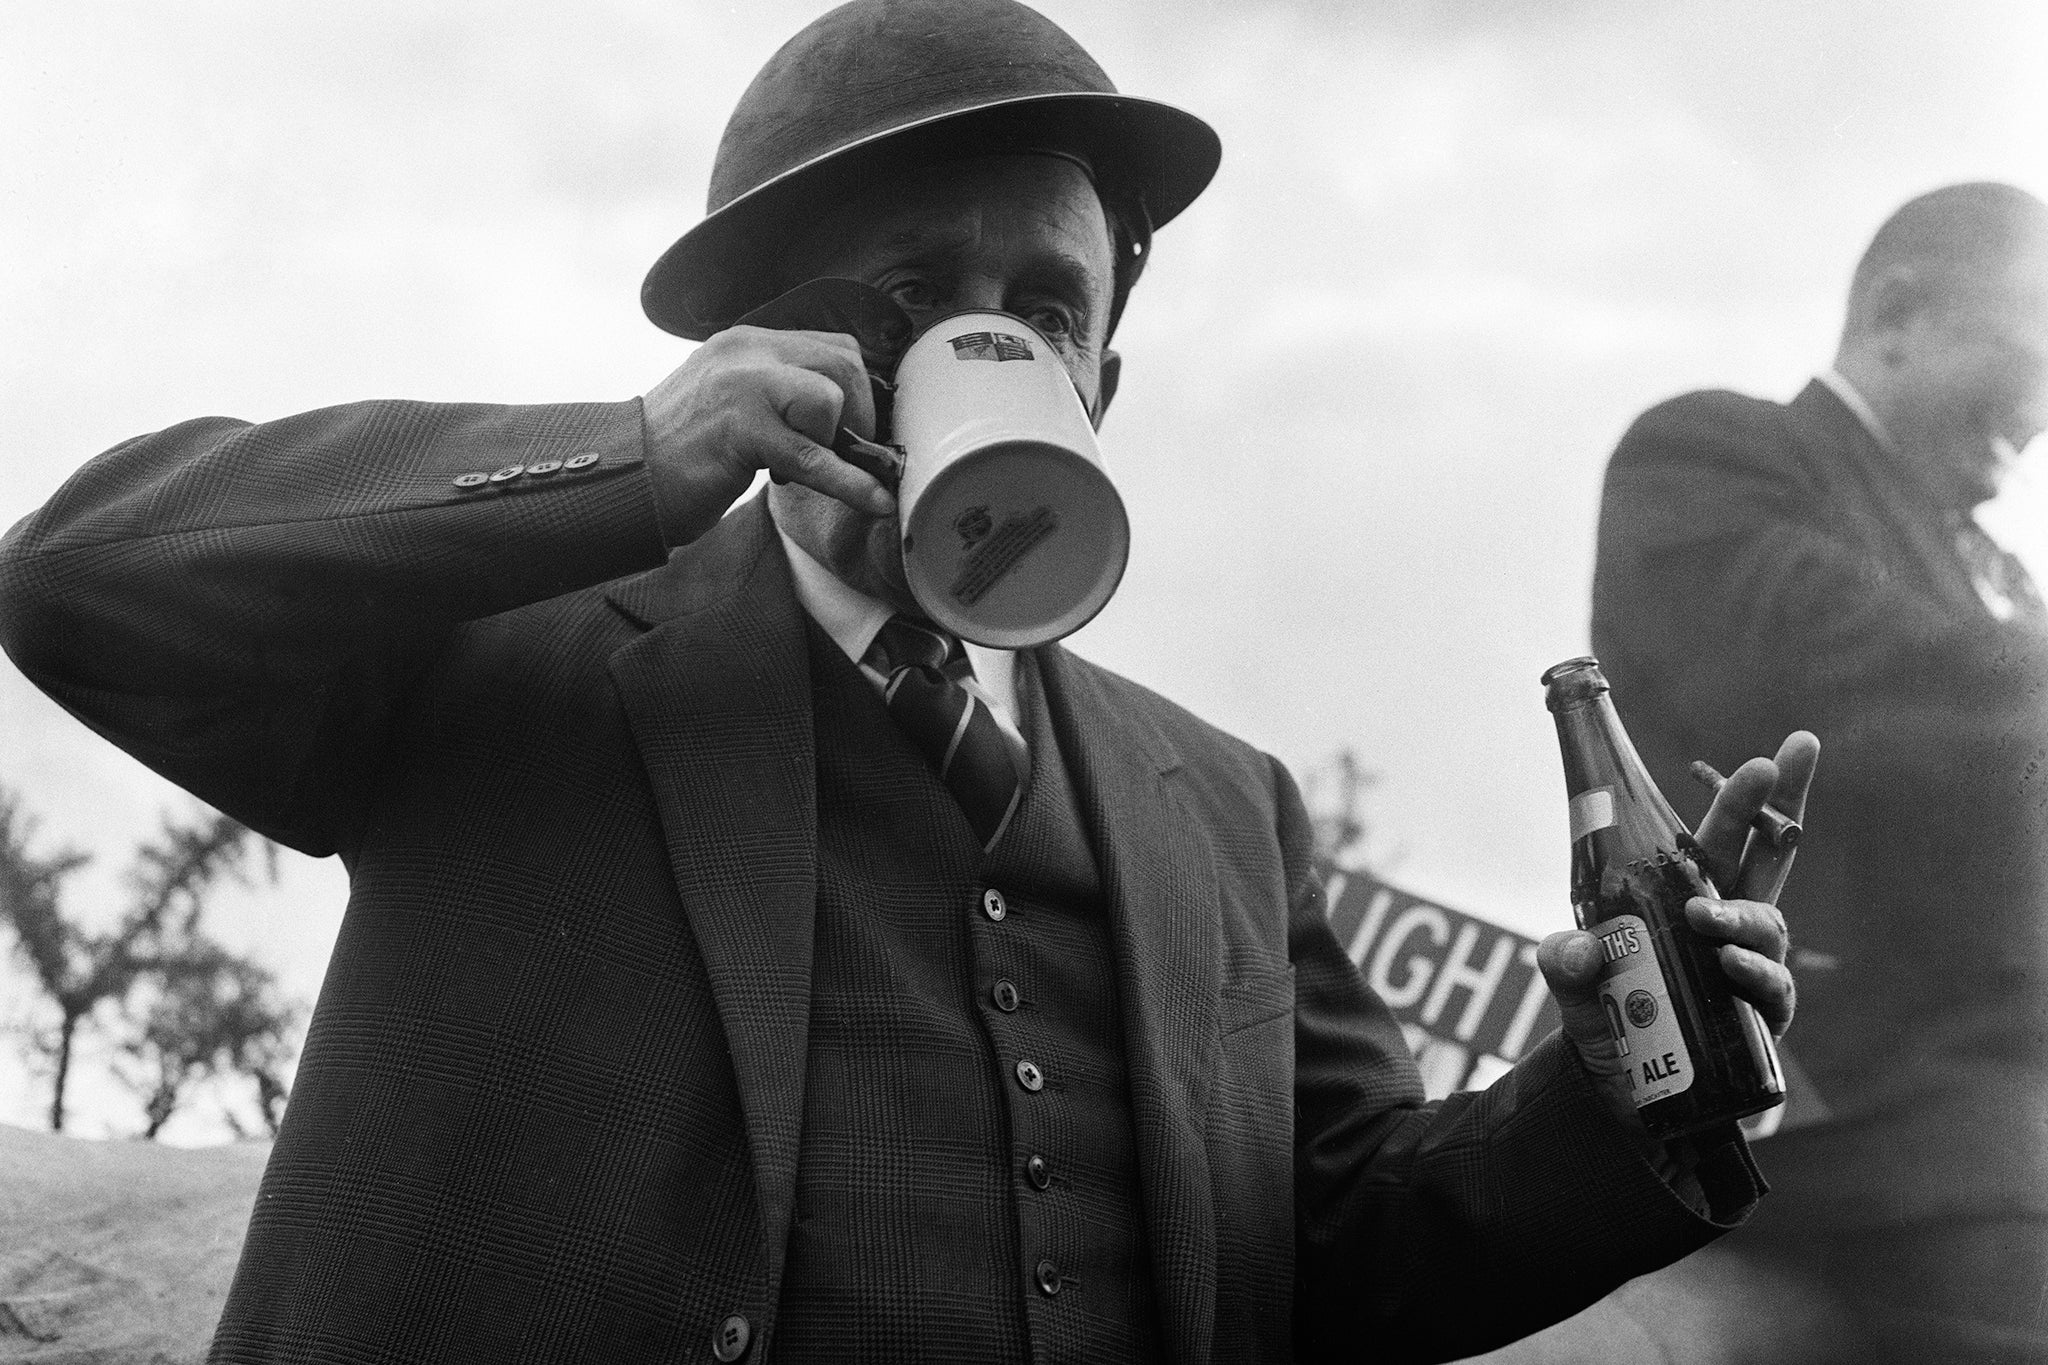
(1055, 323)
(914, 294)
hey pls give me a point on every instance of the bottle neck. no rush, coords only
(1598, 755)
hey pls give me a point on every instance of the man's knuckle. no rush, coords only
(800, 453)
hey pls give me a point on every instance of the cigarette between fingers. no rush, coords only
(1781, 829)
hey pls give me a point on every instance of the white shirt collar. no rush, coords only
(1853, 400)
(848, 615)
(853, 619)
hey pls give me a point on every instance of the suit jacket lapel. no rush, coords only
(718, 695)
(1160, 886)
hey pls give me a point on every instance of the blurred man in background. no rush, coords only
(1816, 564)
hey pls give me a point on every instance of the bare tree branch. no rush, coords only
(1334, 793)
(213, 1013)
(212, 1010)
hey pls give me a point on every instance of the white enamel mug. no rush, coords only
(1013, 534)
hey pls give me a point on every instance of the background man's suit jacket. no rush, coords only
(1765, 567)
(548, 1107)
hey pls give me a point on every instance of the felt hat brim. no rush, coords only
(1146, 157)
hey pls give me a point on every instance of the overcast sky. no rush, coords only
(1372, 377)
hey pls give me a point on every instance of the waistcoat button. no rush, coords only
(992, 904)
(1048, 1278)
(730, 1341)
(1006, 996)
(1030, 1077)
(1040, 1171)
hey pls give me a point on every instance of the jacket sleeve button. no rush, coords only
(509, 472)
(542, 468)
(583, 461)
(467, 481)
(731, 1339)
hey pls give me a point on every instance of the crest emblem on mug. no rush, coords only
(990, 346)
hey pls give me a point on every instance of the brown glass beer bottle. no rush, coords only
(1698, 1056)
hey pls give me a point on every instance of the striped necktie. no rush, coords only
(925, 670)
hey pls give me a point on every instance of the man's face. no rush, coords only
(1023, 234)
(1977, 379)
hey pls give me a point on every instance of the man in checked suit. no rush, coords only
(1817, 564)
(681, 1011)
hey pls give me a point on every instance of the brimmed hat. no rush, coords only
(877, 85)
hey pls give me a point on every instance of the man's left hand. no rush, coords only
(1748, 926)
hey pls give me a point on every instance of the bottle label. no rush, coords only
(1591, 810)
(1639, 1012)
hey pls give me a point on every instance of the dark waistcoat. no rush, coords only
(965, 1046)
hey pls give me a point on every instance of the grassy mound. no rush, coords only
(117, 1251)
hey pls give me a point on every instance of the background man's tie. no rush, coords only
(2002, 582)
(979, 764)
